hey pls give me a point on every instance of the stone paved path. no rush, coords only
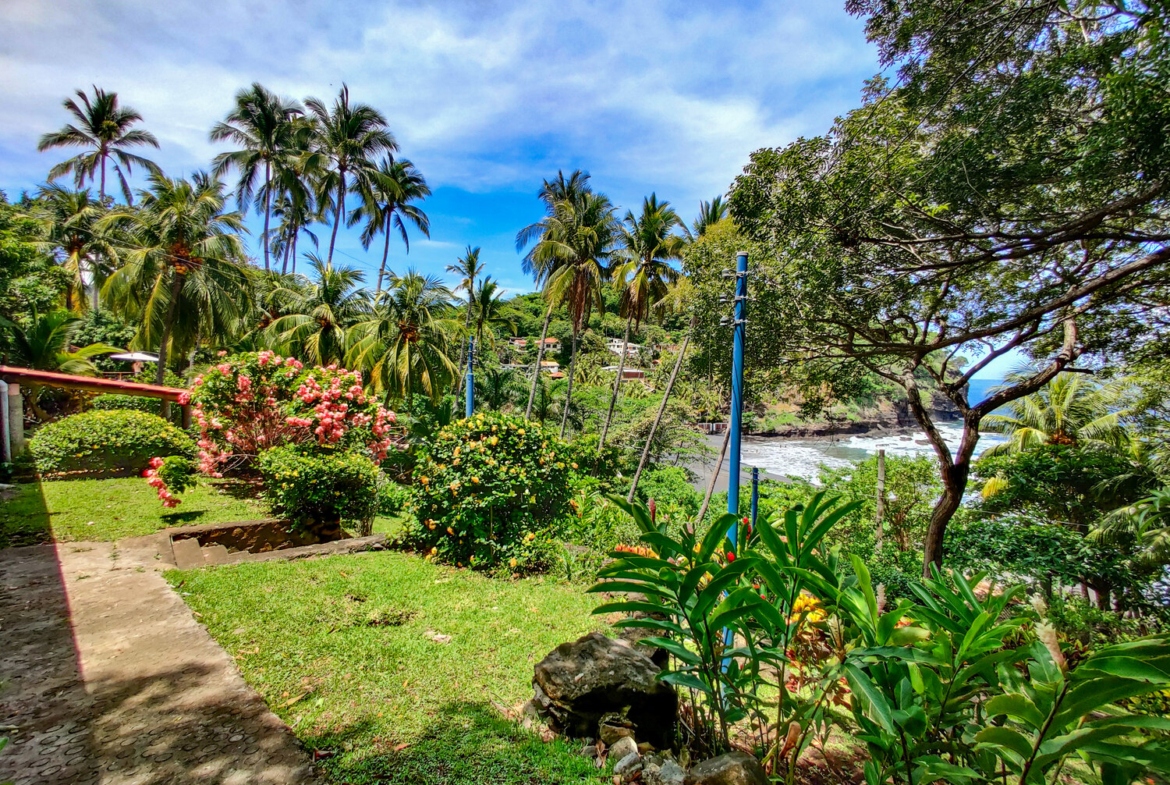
(106, 677)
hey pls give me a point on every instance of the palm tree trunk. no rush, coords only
(172, 306)
(337, 210)
(93, 272)
(267, 207)
(661, 411)
(617, 383)
(539, 357)
(102, 189)
(569, 392)
(385, 256)
(296, 236)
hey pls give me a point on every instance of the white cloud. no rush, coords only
(651, 96)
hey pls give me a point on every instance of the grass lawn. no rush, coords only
(343, 650)
(103, 510)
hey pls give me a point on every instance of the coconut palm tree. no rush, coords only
(105, 127)
(491, 311)
(294, 214)
(261, 125)
(69, 219)
(1070, 409)
(468, 268)
(182, 270)
(387, 194)
(346, 140)
(45, 346)
(644, 276)
(321, 314)
(497, 386)
(577, 242)
(542, 260)
(404, 343)
(710, 213)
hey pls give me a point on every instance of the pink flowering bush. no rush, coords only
(252, 402)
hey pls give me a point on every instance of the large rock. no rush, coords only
(580, 682)
(734, 768)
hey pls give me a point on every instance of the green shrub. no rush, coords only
(489, 492)
(107, 403)
(320, 491)
(670, 485)
(106, 442)
(392, 498)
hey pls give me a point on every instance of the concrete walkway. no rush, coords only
(106, 677)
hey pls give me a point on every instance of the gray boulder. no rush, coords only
(734, 768)
(626, 767)
(579, 683)
(623, 747)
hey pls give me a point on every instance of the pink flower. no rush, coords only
(221, 353)
(156, 462)
(184, 398)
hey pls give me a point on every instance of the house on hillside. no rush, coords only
(552, 344)
(627, 373)
(519, 343)
(615, 346)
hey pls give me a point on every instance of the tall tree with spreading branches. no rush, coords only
(1006, 193)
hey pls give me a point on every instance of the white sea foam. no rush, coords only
(803, 458)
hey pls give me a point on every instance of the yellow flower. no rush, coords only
(450, 531)
(512, 564)
(530, 537)
(434, 551)
(475, 480)
(574, 465)
(431, 524)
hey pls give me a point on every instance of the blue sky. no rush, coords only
(487, 98)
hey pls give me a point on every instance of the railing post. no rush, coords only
(15, 420)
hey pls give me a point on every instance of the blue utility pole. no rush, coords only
(470, 377)
(739, 331)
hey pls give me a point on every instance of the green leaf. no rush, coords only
(1018, 707)
(686, 680)
(630, 587)
(715, 535)
(628, 607)
(674, 647)
(863, 687)
(1008, 740)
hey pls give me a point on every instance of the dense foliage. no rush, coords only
(106, 442)
(957, 688)
(319, 490)
(487, 488)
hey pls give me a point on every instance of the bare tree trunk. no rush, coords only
(337, 211)
(658, 419)
(714, 475)
(569, 392)
(617, 384)
(539, 357)
(385, 256)
(161, 371)
(955, 470)
(267, 207)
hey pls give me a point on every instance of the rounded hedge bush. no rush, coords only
(120, 441)
(487, 491)
(318, 490)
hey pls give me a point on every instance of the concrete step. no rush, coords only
(214, 554)
(188, 554)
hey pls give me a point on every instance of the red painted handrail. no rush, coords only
(88, 383)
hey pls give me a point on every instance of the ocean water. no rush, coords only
(803, 458)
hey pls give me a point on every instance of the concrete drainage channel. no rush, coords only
(191, 547)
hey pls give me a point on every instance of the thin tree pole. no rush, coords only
(539, 357)
(658, 419)
(569, 391)
(715, 475)
(267, 206)
(617, 383)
